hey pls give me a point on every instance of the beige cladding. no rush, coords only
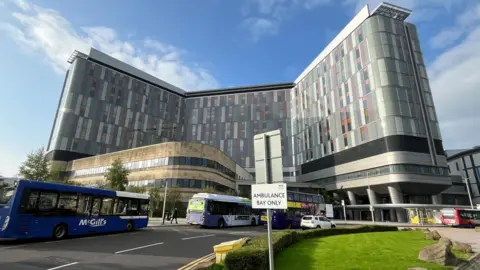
(181, 172)
(168, 149)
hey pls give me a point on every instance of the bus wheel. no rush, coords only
(221, 223)
(60, 232)
(253, 223)
(130, 226)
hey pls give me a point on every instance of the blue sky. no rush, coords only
(214, 43)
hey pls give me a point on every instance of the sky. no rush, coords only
(199, 45)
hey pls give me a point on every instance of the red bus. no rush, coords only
(460, 217)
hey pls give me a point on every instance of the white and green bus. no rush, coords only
(214, 210)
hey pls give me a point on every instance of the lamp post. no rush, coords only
(164, 202)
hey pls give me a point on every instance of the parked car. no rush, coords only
(312, 222)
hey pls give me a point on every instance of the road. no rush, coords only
(152, 248)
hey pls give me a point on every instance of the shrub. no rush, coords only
(254, 254)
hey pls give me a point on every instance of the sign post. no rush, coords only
(269, 192)
(373, 213)
(269, 196)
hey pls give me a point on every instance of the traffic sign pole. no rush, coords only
(270, 245)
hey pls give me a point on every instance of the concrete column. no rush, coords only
(437, 199)
(393, 216)
(397, 198)
(373, 199)
(372, 196)
(352, 197)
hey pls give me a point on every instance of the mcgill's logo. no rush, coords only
(93, 222)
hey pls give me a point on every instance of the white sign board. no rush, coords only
(268, 157)
(269, 196)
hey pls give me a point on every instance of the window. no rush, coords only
(144, 207)
(84, 205)
(362, 133)
(332, 148)
(107, 207)
(345, 140)
(97, 202)
(132, 207)
(67, 204)
(32, 202)
(365, 111)
(47, 201)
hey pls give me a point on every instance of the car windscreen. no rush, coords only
(307, 218)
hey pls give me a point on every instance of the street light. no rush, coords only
(468, 191)
(164, 202)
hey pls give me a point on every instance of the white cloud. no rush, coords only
(261, 27)
(46, 32)
(455, 81)
(464, 23)
(270, 14)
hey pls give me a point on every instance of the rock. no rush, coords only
(445, 241)
(439, 253)
(436, 235)
(465, 248)
(432, 235)
(429, 235)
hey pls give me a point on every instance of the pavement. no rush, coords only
(463, 235)
(156, 248)
(155, 222)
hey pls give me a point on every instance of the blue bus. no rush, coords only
(299, 204)
(213, 210)
(33, 209)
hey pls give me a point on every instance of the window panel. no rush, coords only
(47, 201)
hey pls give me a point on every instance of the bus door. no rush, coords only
(96, 222)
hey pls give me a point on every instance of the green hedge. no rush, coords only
(254, 254)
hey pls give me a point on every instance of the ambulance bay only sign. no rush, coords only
(269, 196)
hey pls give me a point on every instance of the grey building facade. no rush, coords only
(464, 167)
(360, 117)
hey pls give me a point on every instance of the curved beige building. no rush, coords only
(186, 165)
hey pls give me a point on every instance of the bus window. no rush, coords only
(96, 206)
(32, 202)
(84, 205)
(47, 201)
(144, 207)
(67, 204)
(121, 206)
(107, 207)
(132, 208)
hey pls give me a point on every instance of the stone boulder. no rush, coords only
(432, 235)
(439, 253)
(465, 248)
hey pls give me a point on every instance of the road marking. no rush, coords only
(200, 236)
(126, 250)
(240, 232)
(62, 266)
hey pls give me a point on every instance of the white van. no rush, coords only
(311, 222)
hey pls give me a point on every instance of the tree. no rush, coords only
(136, 189)
(209, 189)
(173, 197)
(117, 176)
(156, 201)
(36, 166)
(213, 190)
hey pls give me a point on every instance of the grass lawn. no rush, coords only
(383, 250)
